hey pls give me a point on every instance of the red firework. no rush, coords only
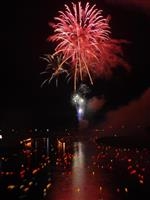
(83, 41)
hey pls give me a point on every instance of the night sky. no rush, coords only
(25, 104)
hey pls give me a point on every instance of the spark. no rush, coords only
(83, 45)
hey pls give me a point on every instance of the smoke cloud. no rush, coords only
(95, 104)
(129, 119)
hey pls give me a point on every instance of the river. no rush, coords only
(73, 167)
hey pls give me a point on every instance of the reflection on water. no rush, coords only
(78, 164)
(25, 170)
(78, 172)
(77, 177)
(86, 171)
(69, 168)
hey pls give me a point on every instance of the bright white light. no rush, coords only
(80, 111)
(76, 98)
(81, 101)
(78, 169)
(1, 137)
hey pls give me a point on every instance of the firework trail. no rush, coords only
(83, 42)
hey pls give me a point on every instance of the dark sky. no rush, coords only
(25, 104)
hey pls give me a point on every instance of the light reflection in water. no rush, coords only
(78, 170)
(62, 169)
(77, 181)
(24, 171)
(47, 146)
(64, 146)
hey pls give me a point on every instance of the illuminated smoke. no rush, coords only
(95, 104)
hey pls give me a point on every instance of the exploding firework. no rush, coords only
(79, 103)
(83, 42)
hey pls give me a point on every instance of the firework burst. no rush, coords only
(83, 42)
